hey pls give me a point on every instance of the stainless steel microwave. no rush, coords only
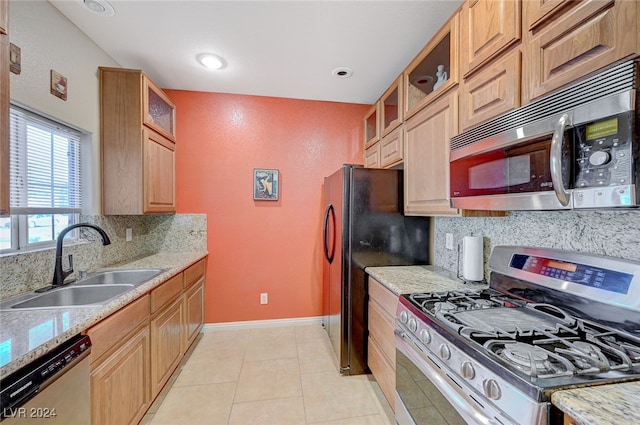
(577, 148)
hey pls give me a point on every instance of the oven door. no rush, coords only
(427, 394)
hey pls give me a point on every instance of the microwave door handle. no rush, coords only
(556, 160)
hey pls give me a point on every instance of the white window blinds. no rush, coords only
(44, 165)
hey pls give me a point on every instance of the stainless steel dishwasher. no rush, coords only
(53, 389)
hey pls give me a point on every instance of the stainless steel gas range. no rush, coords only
(549, 320)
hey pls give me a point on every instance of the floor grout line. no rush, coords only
(299, 339)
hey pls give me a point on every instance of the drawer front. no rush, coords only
(381, 327)
(112, 330)
(166, 292)
(383, 371)
(383, 296)
(193, 273)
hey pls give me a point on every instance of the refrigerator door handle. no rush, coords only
(330, 211)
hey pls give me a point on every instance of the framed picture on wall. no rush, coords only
(58, 85)
(266, 184)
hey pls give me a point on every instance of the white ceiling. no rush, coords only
(272, 48)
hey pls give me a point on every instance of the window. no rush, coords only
(45, 181)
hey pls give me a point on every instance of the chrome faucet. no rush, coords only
(59, 275)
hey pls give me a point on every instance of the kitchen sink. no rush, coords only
(95, 289)
(73, 296)
(118, 277)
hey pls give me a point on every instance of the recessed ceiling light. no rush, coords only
(342, 72)
(99, 7)
(210, 61)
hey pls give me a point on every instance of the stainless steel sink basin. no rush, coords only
(74, 296)
(96, 289)
(118, 277)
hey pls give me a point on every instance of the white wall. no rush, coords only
(49, 41)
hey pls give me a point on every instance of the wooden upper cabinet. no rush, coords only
(159, 112)
(392, 148)
(488, 28)
(159, 174)
(4, 108)
(138, 152)
(372, 156)
(492, 91)
(434, 71)
(372, 126)
(570, 41)
(4, 17)
(391, 113)
(541, 11)
(426, 162)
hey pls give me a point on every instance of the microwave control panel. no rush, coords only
(604, 152)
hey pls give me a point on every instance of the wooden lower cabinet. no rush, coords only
(166, 344)
(381, 344)
(193, 312)
(136, 349)
(120, 383)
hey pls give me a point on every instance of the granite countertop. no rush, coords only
(408, 279)
(614, 404)
(26, 335)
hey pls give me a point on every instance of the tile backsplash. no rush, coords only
(614, 233)
(26, 272)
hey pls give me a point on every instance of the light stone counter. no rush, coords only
(409, 279)
(26, 335)
(617, 404)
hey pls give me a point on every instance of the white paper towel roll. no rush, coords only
(472, 260)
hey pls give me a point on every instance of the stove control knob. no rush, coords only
(492, 389)
(467, 370)
(445, 352)
(425, 336)
(404, 317)
(413, 325)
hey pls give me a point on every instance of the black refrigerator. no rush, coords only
(364, 226)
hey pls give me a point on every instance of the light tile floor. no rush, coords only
(269, 376)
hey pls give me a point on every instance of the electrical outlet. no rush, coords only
(264, 298)
(449, 241)
(128, 235)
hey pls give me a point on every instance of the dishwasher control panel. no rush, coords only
(22, 385)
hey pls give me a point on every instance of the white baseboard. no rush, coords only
(256, 324)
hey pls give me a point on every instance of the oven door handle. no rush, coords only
(555, 160)
(461, 401)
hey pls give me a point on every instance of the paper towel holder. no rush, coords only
(472, 282)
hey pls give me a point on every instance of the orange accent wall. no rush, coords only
(261, 246)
